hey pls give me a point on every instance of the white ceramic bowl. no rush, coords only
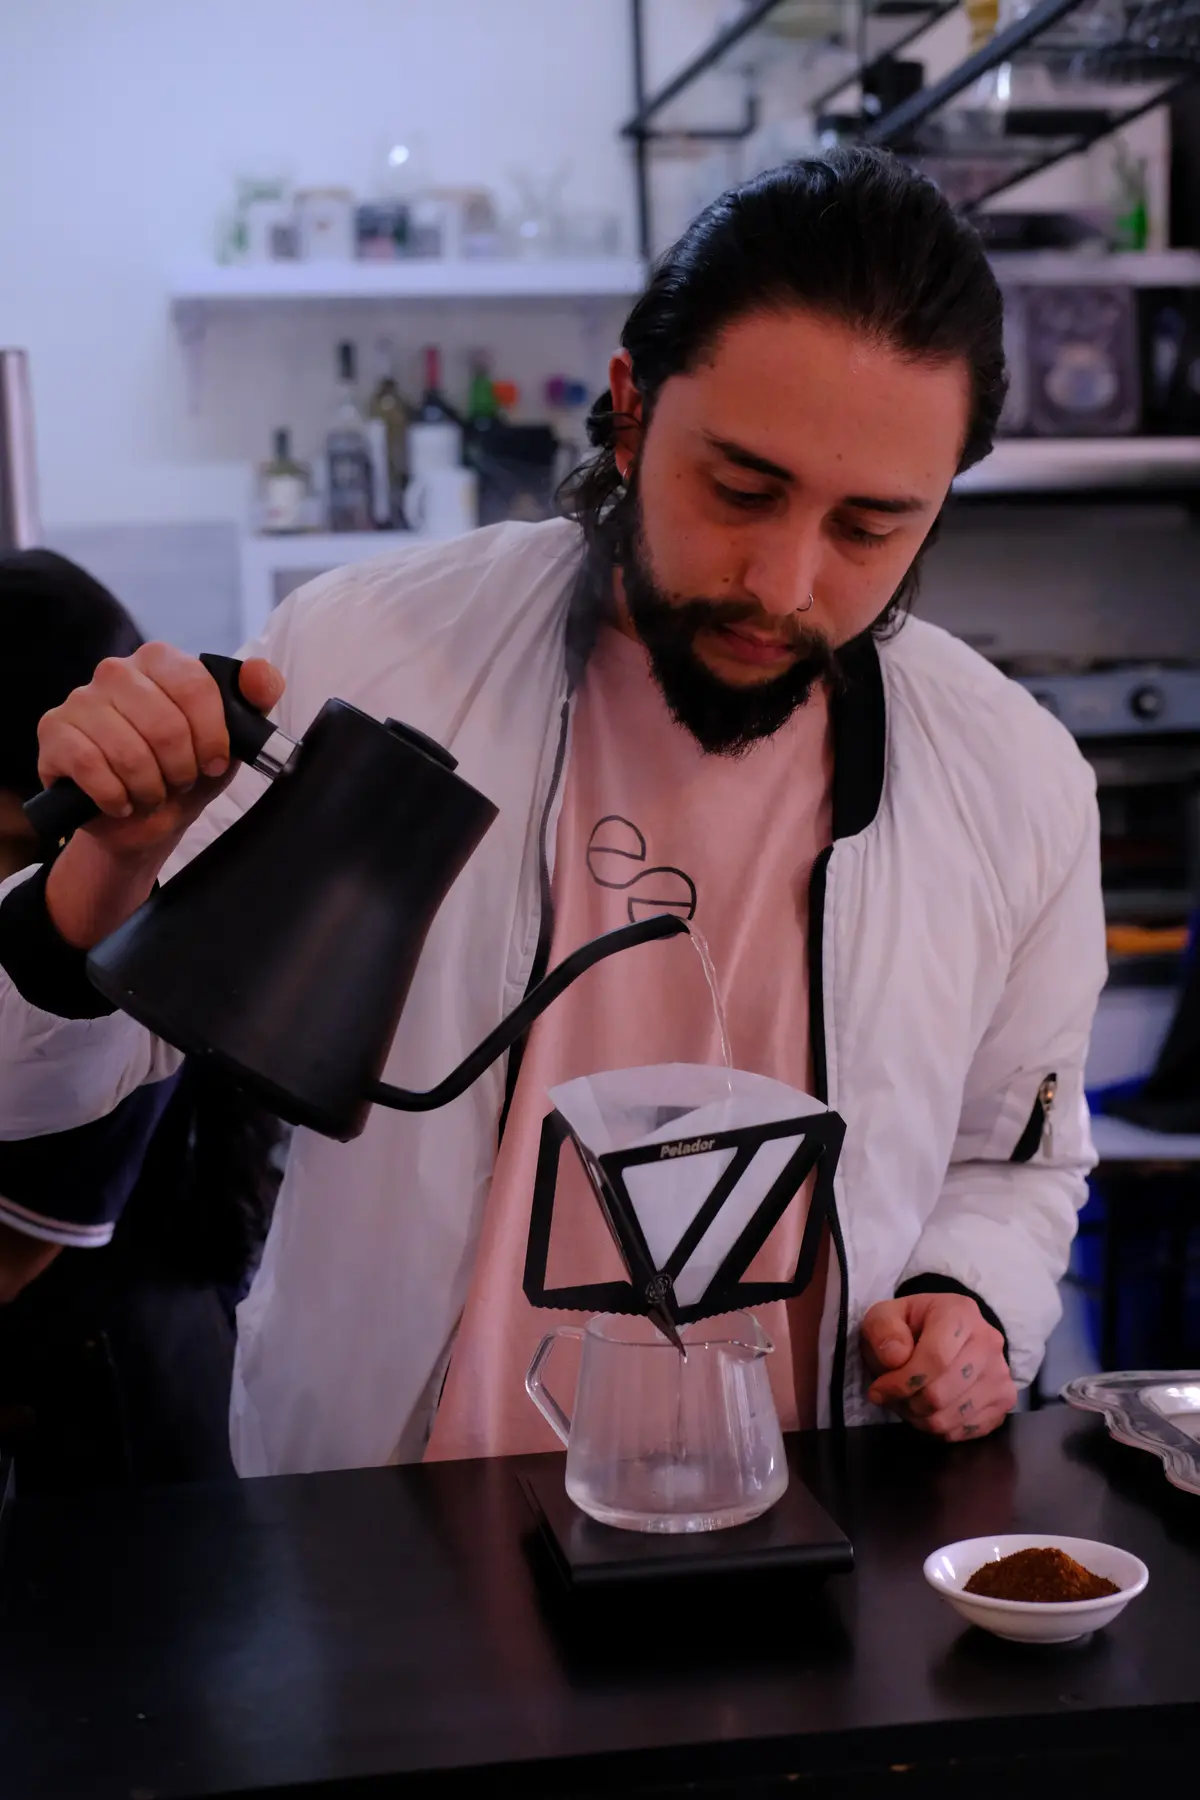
(1034, 1622)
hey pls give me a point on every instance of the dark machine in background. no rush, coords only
(1139, 727)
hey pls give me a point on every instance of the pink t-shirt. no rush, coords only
(649, 821)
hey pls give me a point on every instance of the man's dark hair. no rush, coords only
(56, 624)
(203, 1200)
(852, 235)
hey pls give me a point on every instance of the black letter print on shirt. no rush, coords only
(616, 858)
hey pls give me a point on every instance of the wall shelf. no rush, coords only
(1130, 268)
(200, 291)
(1033, 466)
(567, 278)
(971, 151)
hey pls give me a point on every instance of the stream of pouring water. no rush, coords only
(710, 975)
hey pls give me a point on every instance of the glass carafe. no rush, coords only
(659, 1443)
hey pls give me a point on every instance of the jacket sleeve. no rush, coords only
(1003, 1224)
(80, 1095)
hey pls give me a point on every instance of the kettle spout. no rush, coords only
(663, 925)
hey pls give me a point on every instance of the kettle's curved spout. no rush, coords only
(663, 925)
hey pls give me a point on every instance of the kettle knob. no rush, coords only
(410, 735)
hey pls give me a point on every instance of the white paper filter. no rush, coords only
(623, 1109)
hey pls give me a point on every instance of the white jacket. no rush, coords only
(958, 952)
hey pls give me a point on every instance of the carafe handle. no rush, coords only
(558, 1421)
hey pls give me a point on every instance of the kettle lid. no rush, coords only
(420, 741)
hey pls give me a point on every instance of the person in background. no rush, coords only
(115, 1362)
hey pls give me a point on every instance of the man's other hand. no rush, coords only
(939, 1364)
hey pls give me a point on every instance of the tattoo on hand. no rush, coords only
(915, 1382)
(967, 1406)
(969, 1430)
(968, 1371)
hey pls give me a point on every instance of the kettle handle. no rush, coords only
(662, 925)
(57, 813)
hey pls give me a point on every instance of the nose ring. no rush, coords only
(807, 607)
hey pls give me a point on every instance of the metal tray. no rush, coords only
(1155, 1410)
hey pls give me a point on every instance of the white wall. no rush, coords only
(123, 124)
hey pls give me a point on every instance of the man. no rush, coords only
(692, 693)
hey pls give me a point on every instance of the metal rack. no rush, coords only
(913, 128)
(901, 22)
(1158, 48)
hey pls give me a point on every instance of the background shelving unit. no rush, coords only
(864, 29)
(300, 555)
(1018, 469)
(203, 292)
(1092, 86)
(1025, 467)
(1097, 87)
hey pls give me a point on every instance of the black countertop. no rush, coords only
(383, 1631)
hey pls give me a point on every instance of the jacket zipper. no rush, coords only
(820, 1067)
(816, 1028)
(541, 954)
(1039, 1129)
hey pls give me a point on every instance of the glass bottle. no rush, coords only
(387, 409)
(347, 453)
(283, 488)
(435, 409)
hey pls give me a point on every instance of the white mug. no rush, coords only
(432, 447)
(443, 503)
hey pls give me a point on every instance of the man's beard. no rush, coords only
(724, 720)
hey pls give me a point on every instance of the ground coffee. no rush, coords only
(1046, 1576)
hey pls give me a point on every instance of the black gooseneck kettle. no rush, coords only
(285, 950)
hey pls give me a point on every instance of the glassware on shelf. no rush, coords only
(1131, 221)
(261, 226)
(462, 222)
(590, 232)
(326, 223)
(270, 228)
(1039, 95)
(1014, 86)
(536, 227)
(1159, 40)
(983, 16)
